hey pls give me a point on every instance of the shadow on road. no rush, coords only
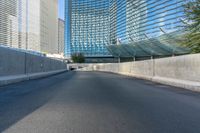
(21, 99)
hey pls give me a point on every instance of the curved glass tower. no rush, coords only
(91, 25)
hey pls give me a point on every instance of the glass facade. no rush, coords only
(88, 27)
(142, 19)
(68, 28)
(61, 27)
(29, 24)
(94, 24)
(9, 28)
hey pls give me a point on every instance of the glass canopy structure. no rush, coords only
(165, 45)
(94, 27)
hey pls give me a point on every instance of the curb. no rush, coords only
(6, 80)
(185, 84)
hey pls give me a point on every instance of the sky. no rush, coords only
(61, 9)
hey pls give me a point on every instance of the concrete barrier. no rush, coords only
(11, 62)
(16, 66)
(180, 71)
(5, 80)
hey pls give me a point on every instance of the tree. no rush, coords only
(192, 37)
(78, 58)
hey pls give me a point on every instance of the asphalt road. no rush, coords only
(93, 102)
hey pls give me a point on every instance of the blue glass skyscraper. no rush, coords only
(87, 27)
(67, 28)
(91, 25)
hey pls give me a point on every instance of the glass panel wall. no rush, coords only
(89, 27)
(142, 19)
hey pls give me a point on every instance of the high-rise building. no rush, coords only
(87, 27)
(135, 20)
(117, 21)
(136, 15)
(49, 28)
(29, 24)
(9, 22)
(61, 28)
(91, 25)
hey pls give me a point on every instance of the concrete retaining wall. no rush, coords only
(180, 71)
(17, 65)
(11, 62)
(182, 67)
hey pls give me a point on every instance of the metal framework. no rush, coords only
(165, 45)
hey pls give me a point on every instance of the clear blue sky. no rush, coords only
(61, 9)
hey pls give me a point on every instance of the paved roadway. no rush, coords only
(93, 102)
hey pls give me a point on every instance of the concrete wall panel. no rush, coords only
(11, 62)
(181, 67)
(143, 68)
(14, 62)
(181, 71)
